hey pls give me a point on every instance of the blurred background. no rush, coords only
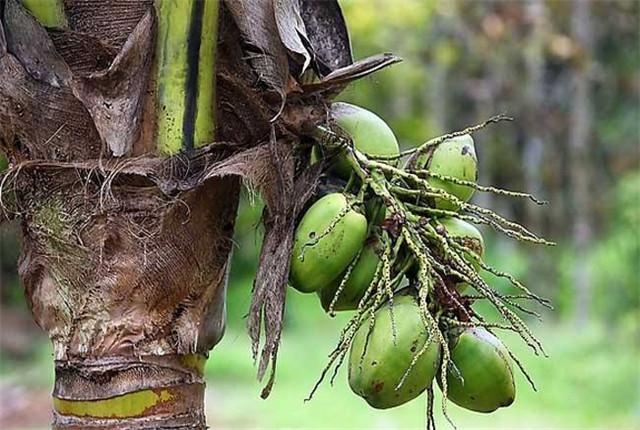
(569, 72)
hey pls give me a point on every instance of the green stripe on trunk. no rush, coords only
(185, 57)
(206, 101)
(125, 406)
(174, 18)
(50, 13)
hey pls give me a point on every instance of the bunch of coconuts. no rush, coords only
(338, 255)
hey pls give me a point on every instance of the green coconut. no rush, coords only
(359, 280)
(318, 259)
(376, 376)
(369, 133)
(467, 235)
(482, 380)
(455, 158)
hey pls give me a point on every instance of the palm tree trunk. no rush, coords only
(127, 278)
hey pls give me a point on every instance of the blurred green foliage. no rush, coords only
(614, 260)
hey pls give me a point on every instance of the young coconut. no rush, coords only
(375, 373)
(482, 380)
(360, 278)
(369, 133)
(455, 157)
(329, 236)
(467, 235)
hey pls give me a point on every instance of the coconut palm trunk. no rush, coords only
(128, 126)
(126, 277)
